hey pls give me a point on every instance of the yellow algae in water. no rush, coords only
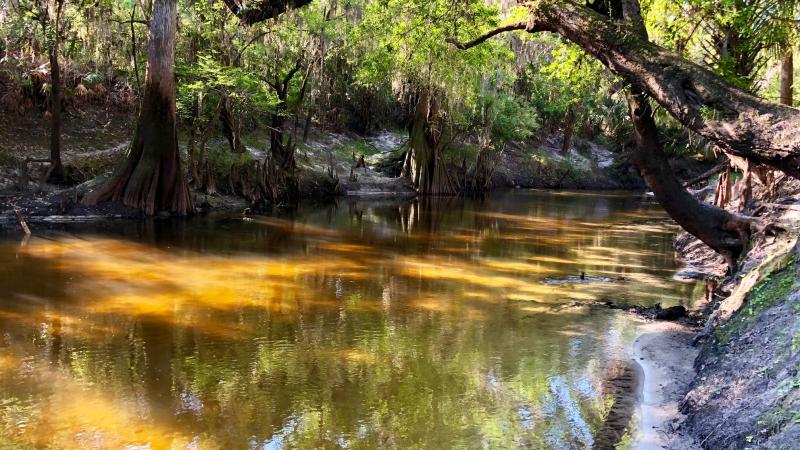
(69, 416)
(8, 362)
(133, 279)
(359, 356)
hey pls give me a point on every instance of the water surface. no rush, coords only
(429, 324)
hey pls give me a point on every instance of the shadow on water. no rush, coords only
(386, 324)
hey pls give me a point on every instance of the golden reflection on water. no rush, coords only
(422, 325)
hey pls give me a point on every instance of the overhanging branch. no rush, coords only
(740, 123)
(488, 35)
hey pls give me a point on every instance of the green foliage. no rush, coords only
(406, 42)
(503, 115)
(736, 38)
(566, 78)
(221, 160)
(211, 81)
(403, 45)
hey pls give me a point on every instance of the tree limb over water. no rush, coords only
(739, 123)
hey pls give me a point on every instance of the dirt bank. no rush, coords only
(746, 393)
(744, 389)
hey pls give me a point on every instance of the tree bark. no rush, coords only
(428, 172)
(151, 178)
(740, 123)
(56, 171)
(787, 78)
(282, 167)
(725, 233)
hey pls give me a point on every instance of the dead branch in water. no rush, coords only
(22, 222)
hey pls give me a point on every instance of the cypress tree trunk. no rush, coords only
(428, 172)
(282, 167)
(151, 178)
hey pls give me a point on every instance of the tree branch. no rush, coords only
(131, 21)
(740, 123)
(488, 35)
(290, 75)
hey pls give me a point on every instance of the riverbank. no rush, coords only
(734, 383)
(96, 139)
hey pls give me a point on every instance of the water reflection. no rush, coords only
(357, 325)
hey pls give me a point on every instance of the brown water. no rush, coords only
(357, 326)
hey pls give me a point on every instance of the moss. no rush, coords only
(773, 421)
(625, 443)
(772, 289)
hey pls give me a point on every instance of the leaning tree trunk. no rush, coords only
(56, 171)
(738, 122)
(151, 178)
(725, 233)
(428, 171)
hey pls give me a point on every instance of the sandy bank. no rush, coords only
(662, 350)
